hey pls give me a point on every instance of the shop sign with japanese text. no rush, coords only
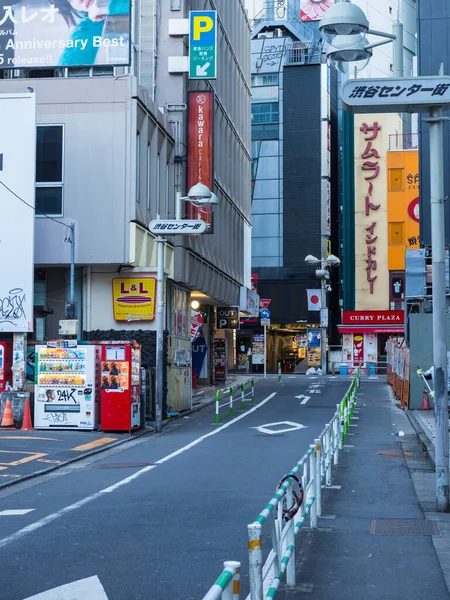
(203, 44)
(415, 94)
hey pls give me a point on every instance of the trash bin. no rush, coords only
(371, 368)
(343, 370)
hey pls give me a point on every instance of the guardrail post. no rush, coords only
(346, 415)
(337, 435)
(243, 396)
(328, 446)
(318, 455)
(314, 478)
(342, 413)
(255, 561)
(231, 592)
(253, 391)
(290, 541)
(279, 372)
(217, 406)
(231, 400)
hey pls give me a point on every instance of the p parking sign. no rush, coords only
(202, 44)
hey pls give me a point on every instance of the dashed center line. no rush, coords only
(16, 512)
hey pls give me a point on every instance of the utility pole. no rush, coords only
(160, 316)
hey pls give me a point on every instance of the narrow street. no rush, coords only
(157, 518)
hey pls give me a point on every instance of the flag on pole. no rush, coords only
(314, 300)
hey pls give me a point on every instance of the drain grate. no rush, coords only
(123, 465)
(404, 527)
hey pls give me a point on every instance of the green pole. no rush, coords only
(231, 400)
(346, 417)
(217, 406)
(279, 372)
(253, 391)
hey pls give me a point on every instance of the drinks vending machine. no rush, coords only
(120, 386)
(67, 394)
(5, 364)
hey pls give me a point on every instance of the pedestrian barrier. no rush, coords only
(229, 392)
(297, 498)
(279, 372)
(398, 370)
(227, 586)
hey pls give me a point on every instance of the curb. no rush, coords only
(427, 444)
(139, 434)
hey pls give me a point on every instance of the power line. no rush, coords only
(32, 207)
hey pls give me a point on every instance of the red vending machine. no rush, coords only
(5, 365)
(120, 386)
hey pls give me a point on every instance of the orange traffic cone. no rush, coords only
(7, 420)
(27, 425)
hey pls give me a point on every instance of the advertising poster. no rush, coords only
(115, 376)
(313, 10)
(358, 350)
(200, 150)
(314, 358)
(258, 349)
(64, 33)
(134, 298)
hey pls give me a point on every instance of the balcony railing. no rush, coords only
(403, 141)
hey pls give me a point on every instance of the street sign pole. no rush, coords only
(265, 352)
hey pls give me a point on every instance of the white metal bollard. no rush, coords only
(290, 541)
(318, 454)
(313, 477)
(231, 592)
(337, 438)
(329, 439)
(341, 426)
(255, 561)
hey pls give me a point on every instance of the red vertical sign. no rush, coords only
(200, 150)
(358, 350)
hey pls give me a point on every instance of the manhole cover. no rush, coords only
(123, 465)
(404, 527)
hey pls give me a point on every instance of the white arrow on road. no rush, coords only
(304, 399)
(202, 70)
(87, 589)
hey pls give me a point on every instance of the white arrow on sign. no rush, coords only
(304, 399)
(202, 70)
(88, 589)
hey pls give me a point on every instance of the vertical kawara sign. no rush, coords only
(200, 150)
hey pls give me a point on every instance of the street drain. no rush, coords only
(404, 527)
(123, 465)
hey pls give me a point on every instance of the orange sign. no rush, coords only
(134, 298)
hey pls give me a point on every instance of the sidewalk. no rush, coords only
(27, 454)
(364, 548)
(423, 423)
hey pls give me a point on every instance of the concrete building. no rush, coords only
(111, 155)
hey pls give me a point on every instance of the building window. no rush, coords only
(265, 132)
(262, 80)
(138, 167)
(266, 112)
(158, 187)
(49, 167)
(149, 173)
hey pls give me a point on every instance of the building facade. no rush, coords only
(111, 157)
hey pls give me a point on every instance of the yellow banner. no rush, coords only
(134, 298)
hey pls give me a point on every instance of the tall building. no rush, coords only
(112, 154)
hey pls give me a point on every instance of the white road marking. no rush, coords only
(314, 391)
(87, 589)
(68, 509)
(304, 399)
(16, 512)
(293, 427)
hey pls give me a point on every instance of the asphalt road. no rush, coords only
(156, 520)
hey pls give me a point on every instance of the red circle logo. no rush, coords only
(414, 210)
(314, 299)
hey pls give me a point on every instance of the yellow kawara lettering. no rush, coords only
(202, 25)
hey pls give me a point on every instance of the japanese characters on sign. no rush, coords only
(70, 34)
(203, 44)
(200, 150)
(390, 95)
(371, 169)
(173, 227)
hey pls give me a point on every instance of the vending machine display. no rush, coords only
(120, 386)
(67, 391)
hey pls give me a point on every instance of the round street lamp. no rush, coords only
(349, 48)
(343, 18)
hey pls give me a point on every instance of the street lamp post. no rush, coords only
(347, 20)
(324, 275)
(200, 196)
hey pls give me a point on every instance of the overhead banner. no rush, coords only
(65, 33)
(200, 150)
(17, 172)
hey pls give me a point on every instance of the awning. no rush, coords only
(370, 329)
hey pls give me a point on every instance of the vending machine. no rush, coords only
(67, 392)
(120, 386)
(5, 364)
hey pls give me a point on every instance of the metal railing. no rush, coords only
(367, 368)
(228, 583)
(229, 392)
(288, 510)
